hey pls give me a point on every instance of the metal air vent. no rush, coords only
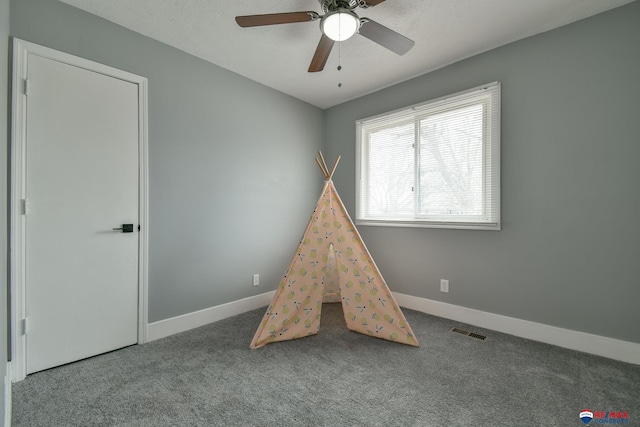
(469, 334)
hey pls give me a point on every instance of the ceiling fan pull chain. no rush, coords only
(339, 60)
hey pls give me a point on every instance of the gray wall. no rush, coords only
(4, 82)
(568, 254)
(231, 161)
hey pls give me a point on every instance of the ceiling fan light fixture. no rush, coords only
(340, 24)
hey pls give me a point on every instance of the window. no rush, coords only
(435, 164)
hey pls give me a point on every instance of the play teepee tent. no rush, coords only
(332, 264)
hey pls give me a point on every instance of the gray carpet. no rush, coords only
(209, 377)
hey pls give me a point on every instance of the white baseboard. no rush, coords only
(167, 327)
(594, 344)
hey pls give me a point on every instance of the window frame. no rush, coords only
(489, 96)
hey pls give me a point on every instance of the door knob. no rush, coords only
(126, 228)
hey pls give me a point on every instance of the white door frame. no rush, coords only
(17, 254)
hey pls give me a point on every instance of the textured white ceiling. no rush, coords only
(445, 31)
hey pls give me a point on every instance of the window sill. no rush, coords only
(490, 226)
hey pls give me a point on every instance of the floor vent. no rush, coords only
(469, 334)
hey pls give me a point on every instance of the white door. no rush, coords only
(81, 181)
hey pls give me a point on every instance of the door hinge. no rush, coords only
(24, 326)
(25, 206)
(26, 87)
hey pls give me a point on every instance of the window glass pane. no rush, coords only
(451, 162)
(434, 164)
(390, 172)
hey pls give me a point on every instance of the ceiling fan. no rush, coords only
(338, 23)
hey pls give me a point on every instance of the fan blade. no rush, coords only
(373, 2)
(322, 54)
(385, 37)
(275, 18)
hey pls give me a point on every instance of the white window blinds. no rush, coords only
(436, 164)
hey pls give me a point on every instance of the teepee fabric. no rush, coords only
(332, 264)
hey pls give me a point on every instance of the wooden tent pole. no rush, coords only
(334, 169)
(321, 169)
(324, 165)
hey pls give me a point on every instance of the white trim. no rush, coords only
(143, 211)
(7, 395)
(21, 50)
(17, 229)
(594, 344)
(174, 325)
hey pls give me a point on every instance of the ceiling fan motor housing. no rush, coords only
(333, 5)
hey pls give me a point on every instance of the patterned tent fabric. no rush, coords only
(332, 264)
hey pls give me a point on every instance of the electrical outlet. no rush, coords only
(444, 285)
(256, 279)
